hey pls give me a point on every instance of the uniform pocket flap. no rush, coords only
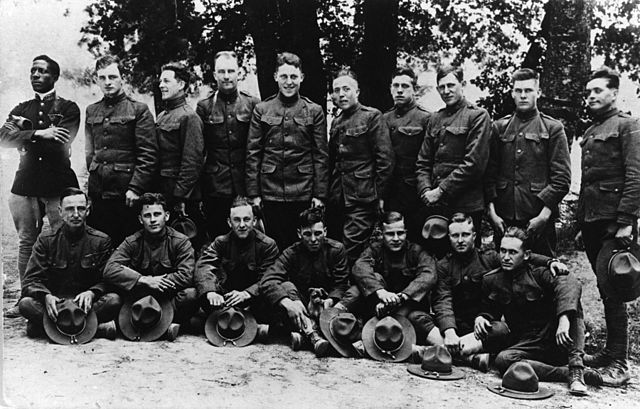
(268, 168)
(171, 173)
(535, 136)
(93, 166)
(410, 130)
(272, 120)
(362, 174)
(302, 121)
(215, 119)
(501, 184)
(122, 119)
(94, 119)
(508, 137)
(305, 169)
(534, 295)
(605, 135)
(91, 260)
(457, 130)
(537, 187)
(243, 116)
(502, 298)
(213, 168)
(58, 263)
(611, 186)
(169, 126)
(356, 131)
(123, 167)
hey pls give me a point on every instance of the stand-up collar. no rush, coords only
(46, 96)
(527, 115)
(176, 102)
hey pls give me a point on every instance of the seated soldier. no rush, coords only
(156, 260)
(543, 313)
(457, 296)
(68, 263)
(395, 275)
(229, 271)
(315, 264)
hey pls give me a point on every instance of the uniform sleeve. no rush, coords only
(208, 276)
(424, 164)
(320, 154)
(11, 134)
(629, 205)
(146, 152)
(489, 308)
(118, 271)
(255, 145)
(71, 120)
(340, 274)
(34, 283)
(364, 274)
(493, 165)
(192, 159)
(201, 110)
(276, 274)
(442, 300)
(104, 251)
(559, 163)
(184, 264)
(425, 278)
(89, 144)
(566, 289)
(383, 152)
(268, 256)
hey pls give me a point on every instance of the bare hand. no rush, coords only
(327, 303)
(54, 133)
(315, 202)
(131, 198)
(235, 297)
(296, 311)
(256, 201)
(157, 283)
(388, 298)
(562, 333)
(452, 341)
(431, 197)
(536, 225)
(215, 299)
(180, 208)
(558, 268)
(381, 205)
(578, 240)
(481, 328)
(499, 226)
(624, 235)
(85, 300)
(50, 304)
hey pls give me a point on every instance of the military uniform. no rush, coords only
(360, 165)
(64, 265)
(609, 198)
(529, 168)
(226, 125)
(407, 126)
(286, 161)
(121, 150)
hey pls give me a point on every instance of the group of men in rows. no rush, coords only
(428, 179)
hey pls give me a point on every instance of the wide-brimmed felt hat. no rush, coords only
(184, 225)
(72, 326)
(341, 329)
(436, 364)
(435, 227)
(231, 327)
(521, 382)
(389, 339)
(145, 318)
(618, 270)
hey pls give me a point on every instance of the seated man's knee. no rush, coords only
(506, 358)
(30, 308)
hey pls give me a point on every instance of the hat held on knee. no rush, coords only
(146, 318)
(231, 327)
(72, 326)
(389, 339)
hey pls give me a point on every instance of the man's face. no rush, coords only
(42, 80)
(599, 96)
(109, 80)
(312, 237)
(450, 90)
(242, 221)
(289, 79)
(153, 218)
(512, 253)
(345, 92)
(394, 235)
(525, 94)
(402, 90)
(170, 86)
(74, 210)
(462, 237)
(226, 74)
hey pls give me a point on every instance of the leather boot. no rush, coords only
(598, 360)
(480, 362)
(576, 382)
(296, 340)
(34, 330)
(262, 336)
(615, 374)
(172, 332)
(320, 345)
(107, 330)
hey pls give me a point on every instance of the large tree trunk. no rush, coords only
(262, 22)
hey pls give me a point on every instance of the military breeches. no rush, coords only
(497, 339)
(545, 243)
(107, 307)
(352, 226)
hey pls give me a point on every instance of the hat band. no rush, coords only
(231, 340)
(72, 337)
(388, 352)
(502, 389)
(437, 374)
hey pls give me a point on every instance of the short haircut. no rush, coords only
(391, 217)
(524, 74)
(239, 201)
(225, 54)
(54, 67)
(180, 71)
(346, 72)
(444, 70)
(148, 199)
(107, 60)
(311, 216)
(609, 74)
(288, 59)
(462, 218)
(518, 233)
(73, 191)
(405, 70)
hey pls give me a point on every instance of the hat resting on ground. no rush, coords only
(435, 227)
(521, 382)
(437, 365)
(231, 327)
(145, 318)
(618, 270)
(72, 326)
(341, 329)
(389, 339)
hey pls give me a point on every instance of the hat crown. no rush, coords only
(388, 334)
(625, 267)
(146, 312)
(437, 359)
(344, 326)
(520, 377)
(231, 324)
(435, 227)
(71, 318)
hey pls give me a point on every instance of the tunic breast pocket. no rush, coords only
(452, 143)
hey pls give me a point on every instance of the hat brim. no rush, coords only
(184, 225)
(346, 350)
(250, 330)
(542, 393)
(602, 271)
(83, 337)
(436, 219)
(151, 334)
(418, 371)
(403, 353)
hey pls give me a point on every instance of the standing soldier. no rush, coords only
(529, 169)
(407, 122)
(120, 150)
(360, 162)
(226, 116)
(609, 205)
(287, 153)
(42, 130)
(454, 154)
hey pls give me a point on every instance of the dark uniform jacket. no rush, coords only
(233, 264)
(411, 271)
(45, 169)
(325, 269)
(139, 255)
(611, 169)
(360, 156)
(65, 266)
(226, 125)
(454, 156)
(287, 150)
(530, 299)
(529, 165)
(181, 151)
(121, 147)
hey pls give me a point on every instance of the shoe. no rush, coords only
(598, 360)
(417, 352)
(320, 345)
(172, 332)
(576, 382)
(296, 340)
(615, 375)
(592, 377)
(262, 336)
(34, 330)
(107, 330)
(358, 346)
(196, 325)
(480, 362)
(13, 312)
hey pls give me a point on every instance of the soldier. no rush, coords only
(529, 170)
(287, 153)
(407, 122)
(543, 313)
(609, 204)
(226, 115)
(454, 154)
(68, 263)
(360, 165)
(42, 130)
(120, 150)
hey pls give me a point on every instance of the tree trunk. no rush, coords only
(262, 21)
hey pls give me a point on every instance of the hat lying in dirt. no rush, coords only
(341, 329)
(73, 325)
(521, 382)
(145, 318)
(231, 327)
(389, 339)
(435, 227)
(184, 225)
(618, 270)
(437, 365)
